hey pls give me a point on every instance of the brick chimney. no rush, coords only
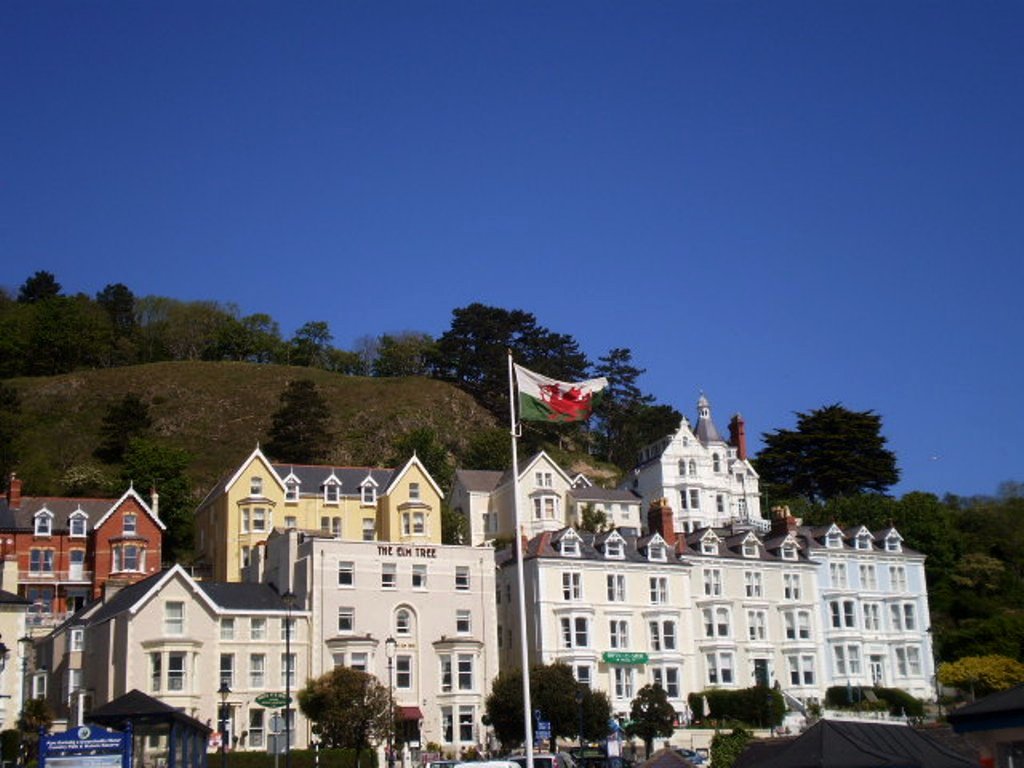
(783, 522)
(659, 520)
(14, 492)
(738, 436)
(154, 502)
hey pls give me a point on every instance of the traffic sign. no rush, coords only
(273, 700)
(543, 729)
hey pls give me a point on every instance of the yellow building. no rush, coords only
(351, 503)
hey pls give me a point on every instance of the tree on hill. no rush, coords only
(832, 452)
(311, 345)
(349, 709)
(151, 464)
(628, 419)
(124, 420)
(10, 428)
(403, 354)
(41, 286)
(300, 427)
(651, 714)
(425, 445)
(473, 353)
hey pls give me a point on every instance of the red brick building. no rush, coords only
(59, 553)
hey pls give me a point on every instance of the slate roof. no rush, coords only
(478, 480)
(224, 595)
(840, 744)
(62, 508)
(243, 597)
(135, 706)
(1004, 709)
(591, 548)
(313, 476)
(614, 495)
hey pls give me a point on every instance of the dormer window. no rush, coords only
(893, 542)
(78, 524)
(789, 551)
(656, 551)
(613, 549)
(368, 494)
(709, 546)
(750, 548)
(130, 525)
(44, 523)
(834, 540)
(570, 547)
(256, 486)
(291, 490)
(332, 491)
(863, 540)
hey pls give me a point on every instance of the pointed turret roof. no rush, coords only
(706, 430)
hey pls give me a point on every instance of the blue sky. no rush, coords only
(784, 204)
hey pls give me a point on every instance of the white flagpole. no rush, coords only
(523, 644)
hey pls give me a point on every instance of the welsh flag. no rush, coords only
(544, 399)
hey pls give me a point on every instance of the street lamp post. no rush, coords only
(389, 650)
(224, 692)
(289, 599)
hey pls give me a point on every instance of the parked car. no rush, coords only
(692, 755)
(546, 760)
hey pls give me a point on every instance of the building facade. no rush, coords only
(434, 602)
(351, 503)
(549, 499)
(179, 640)
(59, 553)
(728, 607)
(707, 479)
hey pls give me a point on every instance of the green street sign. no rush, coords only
(624, 657)
(272, 700)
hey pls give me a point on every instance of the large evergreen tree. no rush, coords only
(832, 452)
(473, 353)
(300, 427)
(628, 419)
(151, 464)
(41, 286)
(124, 420)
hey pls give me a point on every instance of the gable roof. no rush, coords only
(130, 494)
(478, 480)
(413, 461)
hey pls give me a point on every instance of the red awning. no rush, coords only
(409, 713)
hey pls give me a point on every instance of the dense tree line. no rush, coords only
(44, 332)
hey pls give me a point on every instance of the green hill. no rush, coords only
(219, 411)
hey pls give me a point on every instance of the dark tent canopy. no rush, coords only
(841, 744)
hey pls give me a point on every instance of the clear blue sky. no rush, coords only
(781, 204)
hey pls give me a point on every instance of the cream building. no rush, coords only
(14, 656)
(549, 499)
(435, 602)
(352, 503)
(727, 607)
(179, 640)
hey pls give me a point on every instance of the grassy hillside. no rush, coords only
(218, 412)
